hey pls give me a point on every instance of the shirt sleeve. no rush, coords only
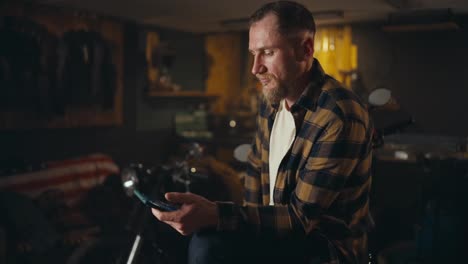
(332, 159)
(252, 180)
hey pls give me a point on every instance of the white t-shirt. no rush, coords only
(282, 137)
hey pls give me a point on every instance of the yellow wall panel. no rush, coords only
(224, 76)
(336, 52)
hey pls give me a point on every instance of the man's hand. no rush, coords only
(195, 213)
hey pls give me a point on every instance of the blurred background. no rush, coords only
(90, 88)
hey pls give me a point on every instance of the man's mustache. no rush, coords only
(261, 77)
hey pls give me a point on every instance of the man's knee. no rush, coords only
(209, 248)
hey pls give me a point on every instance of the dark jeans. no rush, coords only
(211, 247)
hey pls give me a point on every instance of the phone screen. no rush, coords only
(157, 204)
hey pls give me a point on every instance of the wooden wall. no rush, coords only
(58, 21)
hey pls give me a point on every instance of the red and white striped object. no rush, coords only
(74, 177)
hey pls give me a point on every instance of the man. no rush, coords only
(307, 186)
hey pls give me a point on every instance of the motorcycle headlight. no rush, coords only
(129, 177)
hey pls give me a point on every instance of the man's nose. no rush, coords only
(258, 67)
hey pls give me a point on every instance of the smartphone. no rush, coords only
(157, 204)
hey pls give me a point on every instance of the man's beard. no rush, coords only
(274, 94)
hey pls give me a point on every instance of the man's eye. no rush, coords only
(268, 52)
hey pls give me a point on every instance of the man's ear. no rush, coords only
(308, 47)
(305, 49)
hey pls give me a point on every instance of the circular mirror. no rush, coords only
(380, 97)
(241, 152)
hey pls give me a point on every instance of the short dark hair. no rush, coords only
(291, 16)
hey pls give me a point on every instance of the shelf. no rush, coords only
(183, 94)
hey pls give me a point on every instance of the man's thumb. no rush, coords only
(180, 198)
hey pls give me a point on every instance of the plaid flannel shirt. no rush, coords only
(323, 183)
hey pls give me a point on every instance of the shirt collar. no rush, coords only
(308, 98)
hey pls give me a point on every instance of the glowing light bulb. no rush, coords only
(232, 123)
(128, 184)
